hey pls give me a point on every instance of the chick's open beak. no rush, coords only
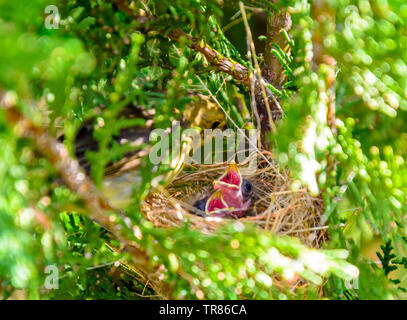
(215, 203)
(231, 178)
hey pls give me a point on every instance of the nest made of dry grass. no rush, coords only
(275, 207)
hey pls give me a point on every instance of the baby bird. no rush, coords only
(232, 196)
(236, 191)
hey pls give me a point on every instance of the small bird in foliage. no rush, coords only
(232, 196)
(236, 191)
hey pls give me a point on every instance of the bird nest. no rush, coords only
(275, 206)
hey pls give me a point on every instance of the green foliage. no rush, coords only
(389, 263)
(225, 277)
(387, 257)
(363, 165)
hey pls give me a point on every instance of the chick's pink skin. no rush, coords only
(230, 183)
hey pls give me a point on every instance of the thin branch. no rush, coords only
(256, 63)
(221, 63)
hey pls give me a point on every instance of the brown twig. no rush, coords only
(273, 71)
(270, 124)
(222, 64)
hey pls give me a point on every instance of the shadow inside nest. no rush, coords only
(275, 207)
